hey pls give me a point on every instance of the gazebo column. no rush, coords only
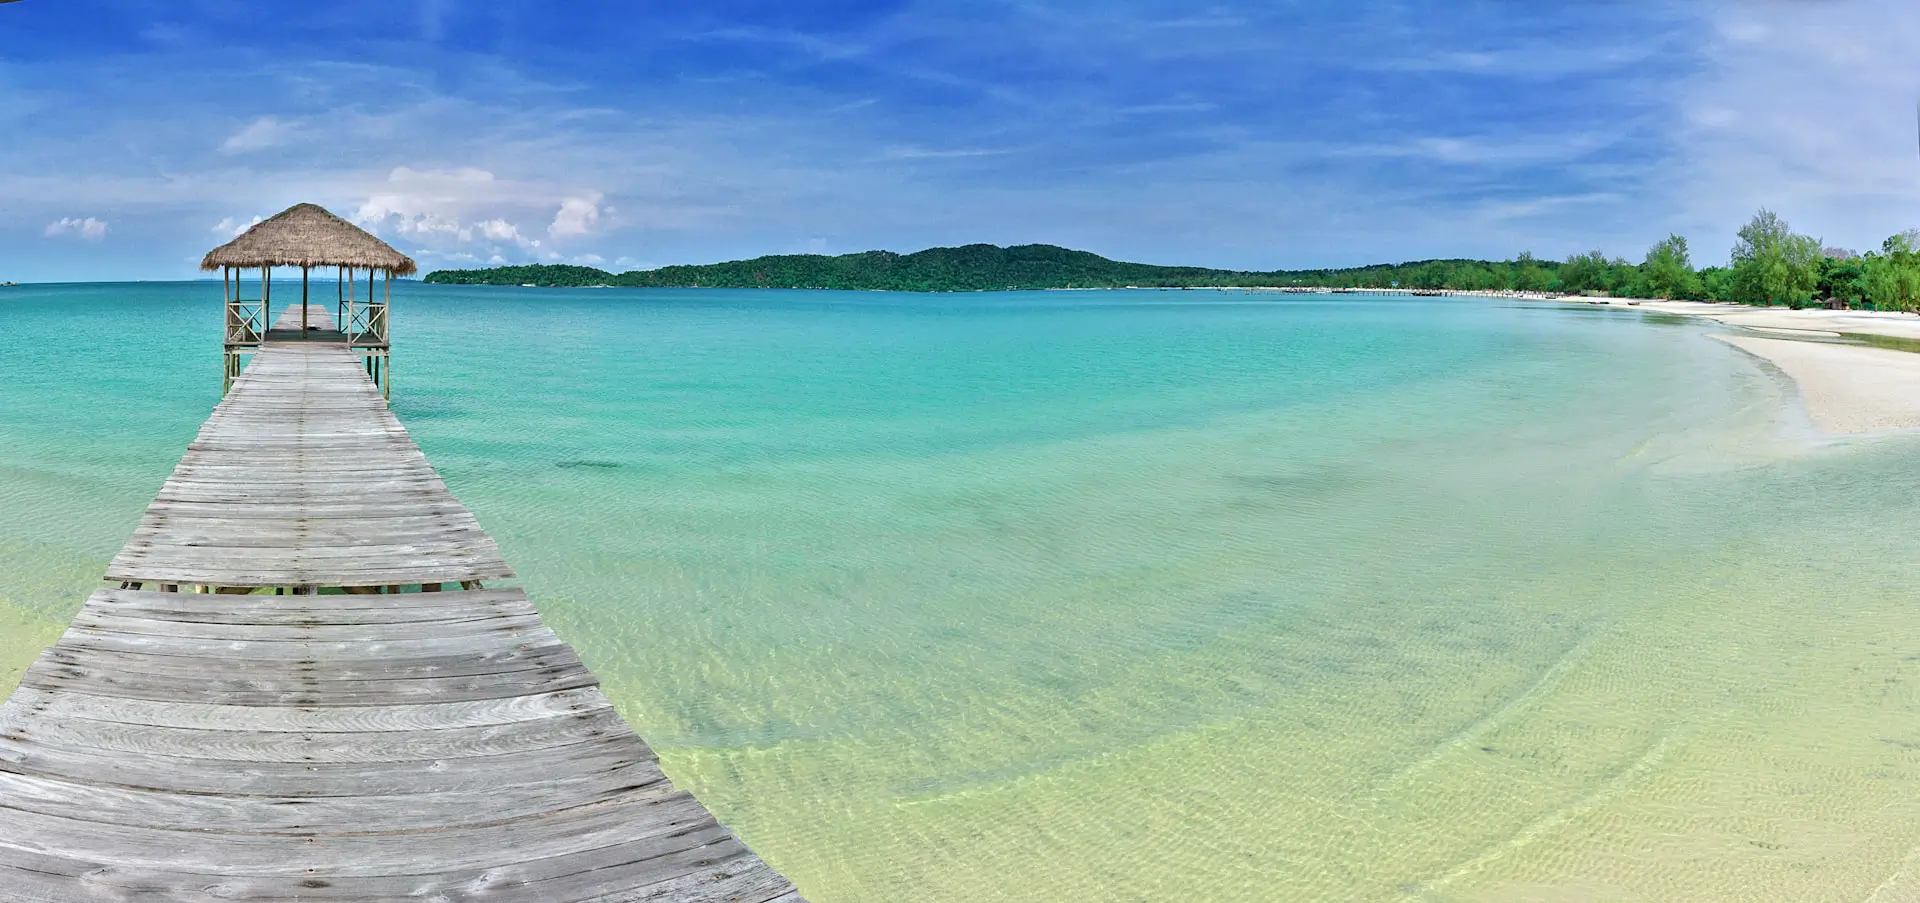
(350, 304)
(303, 303)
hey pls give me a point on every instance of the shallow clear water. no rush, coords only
(1131, 596)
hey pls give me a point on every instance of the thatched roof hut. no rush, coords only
(307, 236)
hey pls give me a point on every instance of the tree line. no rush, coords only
(1770, 265)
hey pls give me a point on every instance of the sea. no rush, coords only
(1130, 595)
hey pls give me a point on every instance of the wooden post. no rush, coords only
(230, 313)
(266, 300)
(303, 302)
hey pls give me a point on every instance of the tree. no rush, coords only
(1668, 271)
(1583, 272)
(1842, 279)
(1717, 284)
(1772, 265)
(1890, 280)
(1528, 276)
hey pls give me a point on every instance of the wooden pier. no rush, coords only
(297, 688)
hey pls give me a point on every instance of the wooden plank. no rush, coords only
(193, 606)
(140, 743)
(373, 850)
(256, 670)
(205, 796)
(55, 677)
(709, 870)
(343, 719)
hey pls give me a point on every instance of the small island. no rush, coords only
(983, 267)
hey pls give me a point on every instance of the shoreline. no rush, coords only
(1846, 385)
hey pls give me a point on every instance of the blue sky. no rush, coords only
(1258, 135)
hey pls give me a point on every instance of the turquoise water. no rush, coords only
(1134, 595)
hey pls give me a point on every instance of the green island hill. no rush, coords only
(1769, 265)
(991, 268)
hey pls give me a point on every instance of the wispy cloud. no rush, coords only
(813, 45)
(262, 133)
(909, 152)
(1506, 150)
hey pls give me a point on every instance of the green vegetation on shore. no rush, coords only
(1770, 264)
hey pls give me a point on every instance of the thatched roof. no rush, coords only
(306, 235)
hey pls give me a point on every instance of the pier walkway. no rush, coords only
(267, 706)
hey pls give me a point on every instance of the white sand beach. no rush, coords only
(1846, 388)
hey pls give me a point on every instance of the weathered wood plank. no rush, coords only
(579, 772)
(342, 719)
(139, 742)
(713, 871)
(373, 850)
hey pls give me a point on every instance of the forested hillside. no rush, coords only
(991, 268)
(1769, 264)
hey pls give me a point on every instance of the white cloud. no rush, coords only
(425, 202)
(589, 260)
(229, 227)
(500, 230)
(577, 216)
(89, 228)
(445, 209)
(262, 133)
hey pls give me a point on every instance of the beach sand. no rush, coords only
(1846, 388)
